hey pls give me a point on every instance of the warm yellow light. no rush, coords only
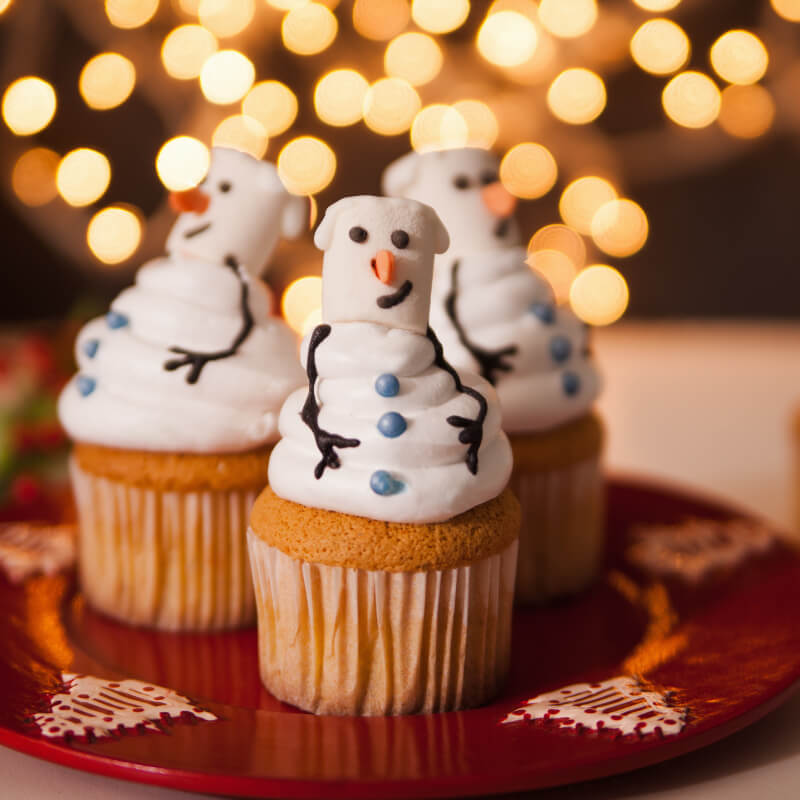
(440, 16)
(130, 13)
(581, 199)
(226, 17)
(4, 4)
(312, 320)
(241, 132)
(182, 163)
(577, 96)
(657, 5)
(107, 81)
(83, 176)
(691, 99)
(599, 295)
(746, 111)
(306, 165)
(114, 234)
(528, 170)
(539, 67)
(562, 238)
(415, 57)
(313, 211)
(507, 39)
(739, 57)
(227, 76)
(28, 105)
(190, 7)
(185, 50)
(286, 5)
(482, 125)
(273, 104)
(339, 97)
(390, 106)
(568, 18)
(380, 19)
(309, 29)
(301, 299)
(620, 228)
(788, 9)
(557, 268)
(33, 178)
(660, 46)
(438, 127)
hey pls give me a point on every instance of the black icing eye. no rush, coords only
(358, 234)
(461, 182)
(225, 186)
(400, 239)
(488, 177)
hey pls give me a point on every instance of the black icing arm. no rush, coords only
(326, 442)
(489, 361)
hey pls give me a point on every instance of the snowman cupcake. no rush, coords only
(495, 316)
(175, 406)
(384, 549)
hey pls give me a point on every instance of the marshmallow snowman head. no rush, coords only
(238, 212)
(464, 188)
(378, 263)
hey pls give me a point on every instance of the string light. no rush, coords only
(788, 9)
(114, 234)
(380, 20)
(507, 39)
(390, 106)
(227, 77)
(539, 66)
(440, 16)
(657, 5)
(568, 19)
(186, 49)
(581, 200)
(301, 298)
(130, 13)
(339, 97)
(226, 17)
(739, 57)
(273, 104)
(577, 96)
(309, 29)
(83, 176)
(660, 47)
(33, 178)
(106, 81)
(482, 125)
(182, 162)
(562, 238)
(243, 133)
(599, 295)
(415, 57)
(691, 99)
(306, 165)
(438, 127)
(557, 268)
(28, 105)
(528, 170)
(746, 111)
(620, 228)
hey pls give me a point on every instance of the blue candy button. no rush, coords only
(116, 320)
(560, 348)
(90, 347)
(387, 385)
(381, 482)
(571, 383)
(85, 384)
(392, 424)
(544, 311)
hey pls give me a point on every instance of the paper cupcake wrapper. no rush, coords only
(563, 529)
(339, 640)
(173, 560)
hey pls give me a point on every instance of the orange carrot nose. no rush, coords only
(383, 266)
(195, 200)
(498, 199)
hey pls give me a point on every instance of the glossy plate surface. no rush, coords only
(726, 647)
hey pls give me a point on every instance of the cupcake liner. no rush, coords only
(563, 529)
(173, 560)
(339, 640)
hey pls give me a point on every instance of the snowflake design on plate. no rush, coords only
(697, 547)
(619, 704)
(27, 549)
(100, 707)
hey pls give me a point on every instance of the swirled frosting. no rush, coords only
(494, 315)
(123, 396)
(384, 388)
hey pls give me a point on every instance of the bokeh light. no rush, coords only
(186, 49)
(739, 57)
(415, 57)
(28, 105)
(620, 227)
(83, 176)
(114, 234)
(577, 96)
(182, 163)
(227, 77)
(301, 298)
(4, 4)
(599, 295)
(567, 18)
(189, 7)
(308, 29)
(528, 170)
(306, 165)
(438, 127)
(747, 111)
(507, 39)
(339, 97)
(312, 320)
(581, 200)
(390, 106)
(106, 81)
(380, 20)
(657, 5)
(660, 47)
(482, 125)
(788, 9)
(243, 133)
(226, 17)
(130, 13)
(691, 99)
(557, 268)
(562, 238)
(33, 178)
(440, 16)
(273, 104)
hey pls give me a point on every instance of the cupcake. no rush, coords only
(174, 409)
(384, 549)
(496, 316)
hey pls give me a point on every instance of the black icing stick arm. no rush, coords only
(196, 360)
(326, 442)
(472, 429)
(489, 361)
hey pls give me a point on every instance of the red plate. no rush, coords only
(728, 648)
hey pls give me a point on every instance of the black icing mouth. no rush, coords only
(196, 231)
(395, 298)
(501, 229)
